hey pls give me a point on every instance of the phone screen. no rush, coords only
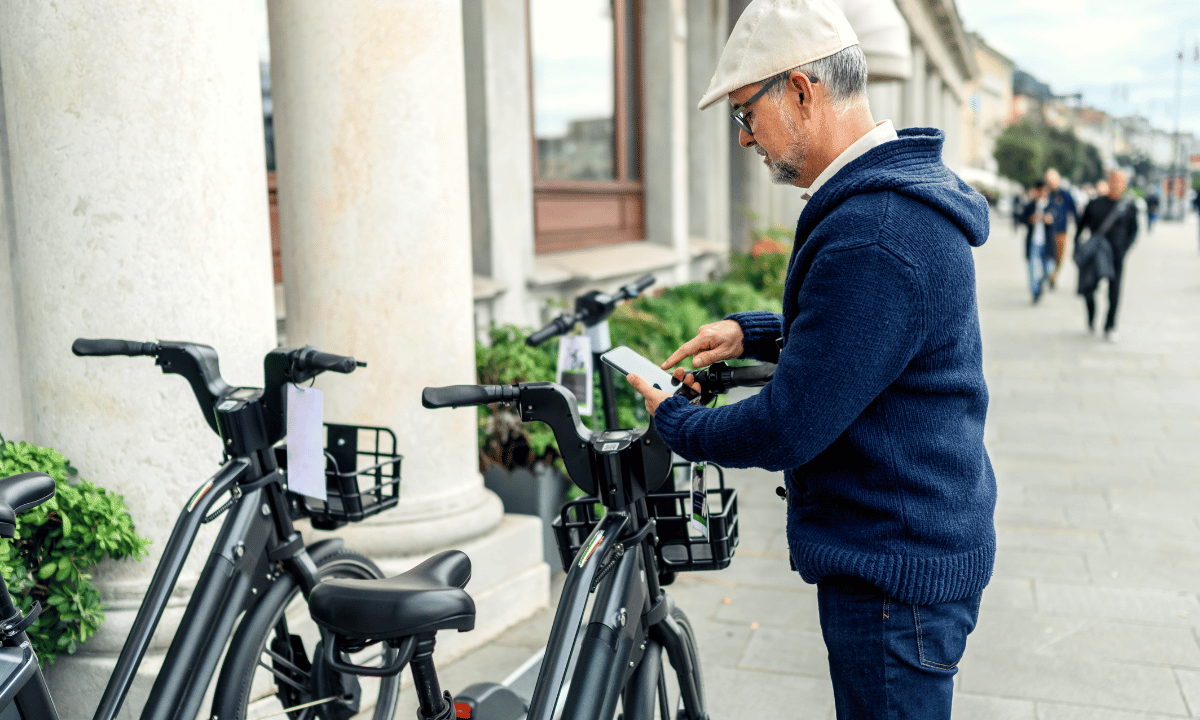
(627, 361)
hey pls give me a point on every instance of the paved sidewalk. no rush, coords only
(1094, 608)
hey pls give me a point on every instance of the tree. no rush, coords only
(1025, 150)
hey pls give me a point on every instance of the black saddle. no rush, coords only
(427, 598)
(19, 493)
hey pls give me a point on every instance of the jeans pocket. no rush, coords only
(942, 631)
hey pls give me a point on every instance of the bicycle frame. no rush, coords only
(238, 571)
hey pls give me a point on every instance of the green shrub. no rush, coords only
(56, 546)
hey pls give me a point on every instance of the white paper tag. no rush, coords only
(699, 519)
(305, 444)
(575, 369)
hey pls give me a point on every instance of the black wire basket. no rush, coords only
(679, 547)
(362, 477)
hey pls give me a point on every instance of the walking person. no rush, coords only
(877, 407)
(1152, 204)
(1112, 222)
(1039, 220)
(1062, 206)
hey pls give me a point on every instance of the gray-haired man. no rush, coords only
(877, 408)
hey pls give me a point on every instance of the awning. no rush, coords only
(882, 35)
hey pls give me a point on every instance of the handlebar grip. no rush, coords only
(751, 375)
(84, 346)
(466, 395)
(329, 361)
(557, 326)
(637, 286)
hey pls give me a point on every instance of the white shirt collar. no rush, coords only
(884, 131)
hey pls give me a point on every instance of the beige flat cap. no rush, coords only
(772, 36)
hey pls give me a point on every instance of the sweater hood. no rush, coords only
(911, 166)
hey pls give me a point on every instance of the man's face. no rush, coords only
(1053, 179)
(777, 136)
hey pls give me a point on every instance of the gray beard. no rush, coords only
(786, 169)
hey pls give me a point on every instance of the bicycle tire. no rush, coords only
(634, 707)
(256, 679)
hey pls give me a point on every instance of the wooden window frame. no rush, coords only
(575, 215)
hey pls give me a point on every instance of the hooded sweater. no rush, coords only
(877, 407)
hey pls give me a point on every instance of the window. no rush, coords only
(587, 150)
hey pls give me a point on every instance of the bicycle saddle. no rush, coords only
(427, 598)
(19, 493)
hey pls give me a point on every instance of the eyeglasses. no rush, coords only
(738, 112)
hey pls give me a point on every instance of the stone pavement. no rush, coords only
(1094, 608)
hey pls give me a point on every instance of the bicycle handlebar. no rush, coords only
(198, 364)
(465, 395)
(84, 346)
(591, 308)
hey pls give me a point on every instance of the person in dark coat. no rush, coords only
(1120, 235)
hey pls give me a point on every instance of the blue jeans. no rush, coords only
(1041, 266)
(888, 659)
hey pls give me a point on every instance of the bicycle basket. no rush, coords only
(679, 548)
(362, 476)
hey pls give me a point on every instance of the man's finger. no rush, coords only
(688, 348)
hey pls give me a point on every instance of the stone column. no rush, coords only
(914, 91)
(664, 99)
(12, 409)
(933, 100)
(709, 130)
(139, 211)
(500, 143)
(371, 151)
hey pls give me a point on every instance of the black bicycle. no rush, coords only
(249, 605)
(623, 557)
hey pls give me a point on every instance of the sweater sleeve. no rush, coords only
(760, 330)
(860, 323)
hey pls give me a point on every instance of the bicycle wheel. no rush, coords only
(647, 695)
(274, 667)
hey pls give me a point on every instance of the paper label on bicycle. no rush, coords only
(305, 444)
(699, 521)
(575, 369)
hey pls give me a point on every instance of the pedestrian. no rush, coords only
(1196, 201)
(877, 408)
(1018, 208)
(1062, 206)
(1112, 221)
(1039, 220)
(1152, 203)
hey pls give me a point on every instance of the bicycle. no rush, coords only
(251, 594)
(624, 557)
(592, 310)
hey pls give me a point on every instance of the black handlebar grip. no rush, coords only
(466, 395)
(752, 375)
(329, 361)
(84, 346)
(557, 326)
(642, 283)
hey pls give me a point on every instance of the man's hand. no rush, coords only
(653, 395)
(714, 342)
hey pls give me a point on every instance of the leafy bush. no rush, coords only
(57, 544)
(764, 268)
(503, 438)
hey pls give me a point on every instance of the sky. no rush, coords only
(1121, 55)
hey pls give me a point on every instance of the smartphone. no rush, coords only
(627, 361)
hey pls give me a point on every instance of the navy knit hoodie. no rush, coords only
(878, 404)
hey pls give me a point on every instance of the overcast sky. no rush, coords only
(1120, 54)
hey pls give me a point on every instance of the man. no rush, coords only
(1152, 204)
(876, 411)
(1061, 205)
(1120, 216)
(1039, 220)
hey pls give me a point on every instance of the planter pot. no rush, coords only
(541, 492)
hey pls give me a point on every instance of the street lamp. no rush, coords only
(1175, 194)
